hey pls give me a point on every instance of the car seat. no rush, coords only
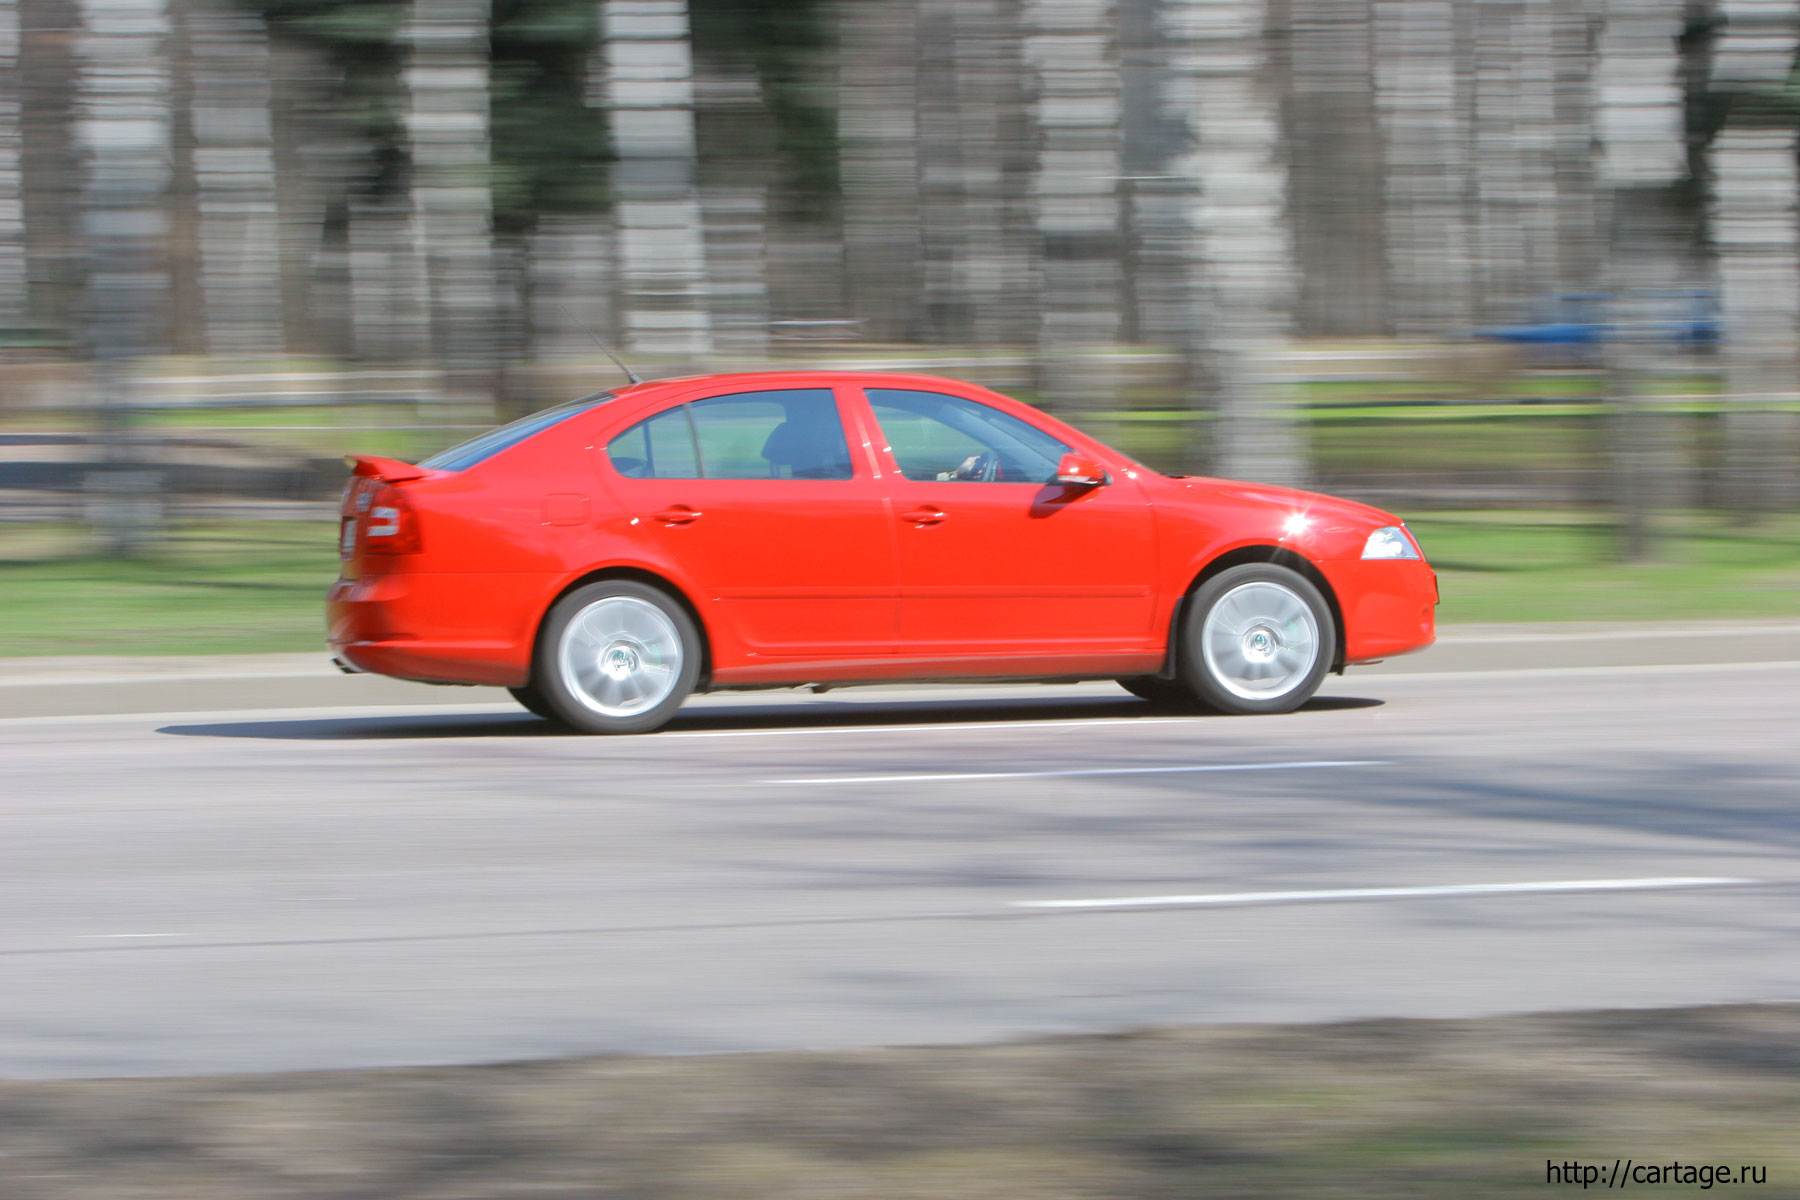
(808, 449)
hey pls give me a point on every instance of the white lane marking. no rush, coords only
(1274, 766)
(1395, 893)
(101, 936)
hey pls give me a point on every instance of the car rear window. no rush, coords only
(480, 449)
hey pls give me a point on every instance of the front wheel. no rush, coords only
(617, 657)
(1258, 639)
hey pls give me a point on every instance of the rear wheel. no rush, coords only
(617, 657)
(1258, 639)
(1159, 691)
(534, 702)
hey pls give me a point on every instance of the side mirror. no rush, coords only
(1076, 470)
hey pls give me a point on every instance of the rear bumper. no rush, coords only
(432, 662)
(430, 628)
(1389, 606)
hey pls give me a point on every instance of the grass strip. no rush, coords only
(1563, 566)
(241, 587)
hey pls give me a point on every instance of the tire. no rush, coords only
(534, 702)
(1160, 691)
(616, 656)
(1257, 639)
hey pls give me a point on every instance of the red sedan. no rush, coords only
(607, 557)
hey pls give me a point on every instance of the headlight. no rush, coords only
(1390, 542)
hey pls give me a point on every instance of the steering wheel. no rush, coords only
(984, 468)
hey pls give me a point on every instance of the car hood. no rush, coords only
(1298, 500)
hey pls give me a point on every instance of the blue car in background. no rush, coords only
(1576, 324)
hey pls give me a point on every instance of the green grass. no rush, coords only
(259, 586)
(222, 588)
(1561, 566)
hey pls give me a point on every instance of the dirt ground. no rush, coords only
(1370, 1109)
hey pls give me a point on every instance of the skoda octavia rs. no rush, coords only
(605, 558)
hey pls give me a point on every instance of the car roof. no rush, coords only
(789, 377)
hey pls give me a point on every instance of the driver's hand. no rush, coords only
(969, 468)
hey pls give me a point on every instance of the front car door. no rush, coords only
(757, 498)
(995, 560)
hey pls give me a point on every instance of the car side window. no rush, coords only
(947, 438)
(659, 448)
(791, 434)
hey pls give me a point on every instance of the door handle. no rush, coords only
(925, 516)
(679, 514)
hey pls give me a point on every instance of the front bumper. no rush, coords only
(1389, 606)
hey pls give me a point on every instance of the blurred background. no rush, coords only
(1526, 271)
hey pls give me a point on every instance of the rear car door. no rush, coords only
(757, 498)
(996, 560)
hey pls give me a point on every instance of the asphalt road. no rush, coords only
(310, 888)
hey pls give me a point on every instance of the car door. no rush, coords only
(996, 560)
(757, 498)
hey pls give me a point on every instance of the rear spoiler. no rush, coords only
(387, 470)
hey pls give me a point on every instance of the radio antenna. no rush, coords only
(582, 325)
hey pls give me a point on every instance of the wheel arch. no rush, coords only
(1279, 556)
(661, 583)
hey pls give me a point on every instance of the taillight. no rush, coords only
(392, 527)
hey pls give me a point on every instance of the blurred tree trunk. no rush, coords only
(447, 126)
(880, 138)
(391, 294)
(1426, 171)
(1243, 266)
(1754, 188)
(737, 268)
(1336, 184)
(186, 312)
(124, 109)
(310, 152)
(1640, 118)
(235, 179)
(1514, 189)
(975, 174)
(1754, 226)
(662, 252)
(946, 228)
(1570, 129)
(49, 165)
(573, 283)
(1073, 48)
(12, 222)
(1157, 105)
(737, 165)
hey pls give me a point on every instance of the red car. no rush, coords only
(607, 557)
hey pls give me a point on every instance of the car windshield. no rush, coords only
(480, 449)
